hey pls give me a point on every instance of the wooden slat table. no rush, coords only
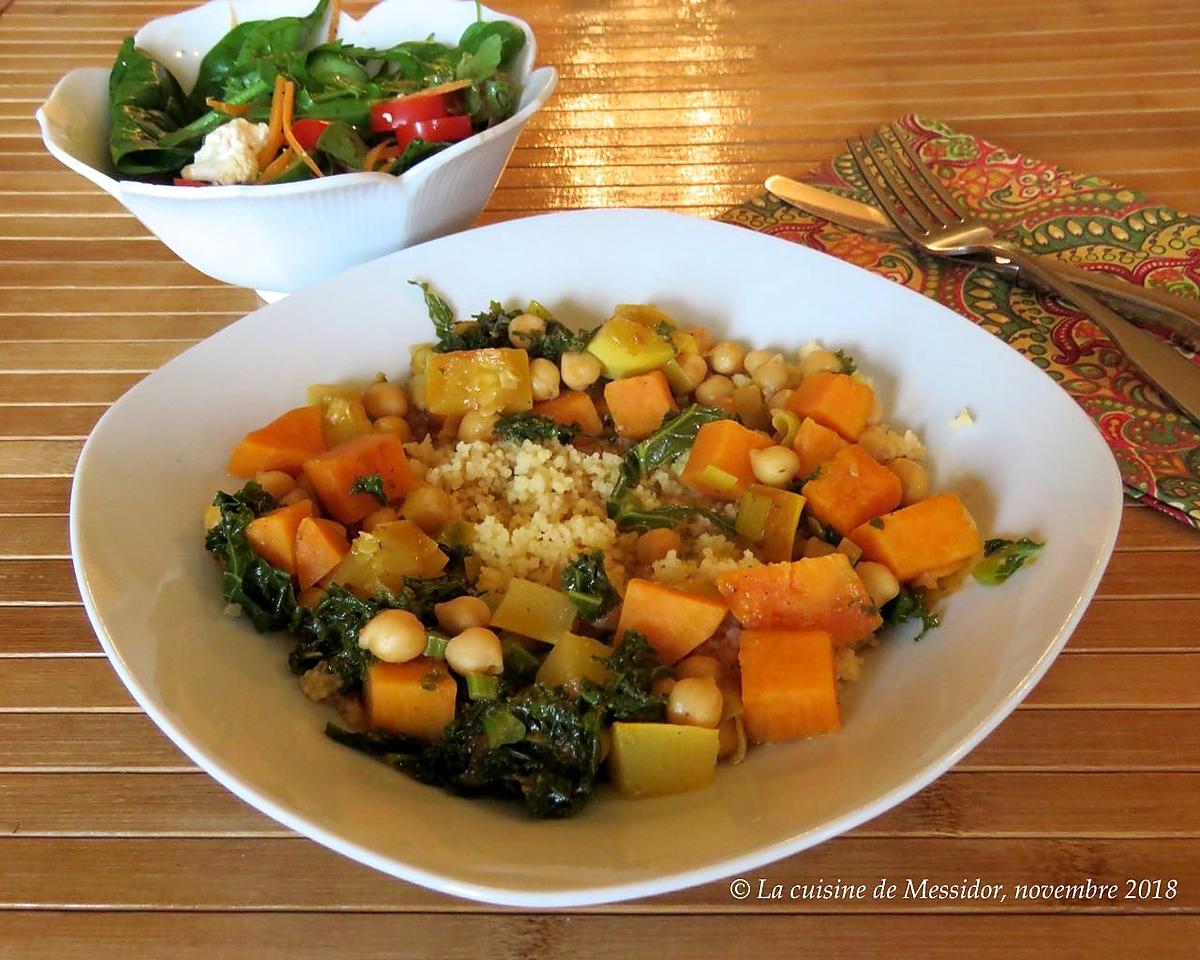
(114, 845)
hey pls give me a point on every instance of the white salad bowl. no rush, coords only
(1031, 463)
(281, 237)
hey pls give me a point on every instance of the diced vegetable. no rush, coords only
(320, 546)
(725, 445)
(343, 420)
(320, 394)
(818, 593)
(423, 105)
(656, 759)
(308, 131)
(834, 400)
(626, 347)
(570, 408)
(575, 658)
(675, 622)
(414, 698)
(386, 557)
(850, 489)
(494, 380)
(815, 444)
(783, 518)
(753, 510)
(647, 314)
(273, 535)
(334, 472)
(283, 444)
(434, 130)
(1002, 558)
(533, 610)
(639, 404)
(585, 581)
(789, 685)
(933, 537)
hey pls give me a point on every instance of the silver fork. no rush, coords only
(925, 212)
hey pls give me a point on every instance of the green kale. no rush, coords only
(372, 485)
(440, 313)
(520, 666)
(558, 339)
(264, 592)
(586, 582)
(671, 440)
(421, 594)
(627, 695)
(910, 605)
(329, 632)
(847, 362)
(533, 426)
(664, 329)
(629, 515)
(1002, 558)
(822, 531)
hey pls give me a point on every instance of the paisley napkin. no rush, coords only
(1083, 220)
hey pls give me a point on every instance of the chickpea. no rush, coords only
(775, 466)
(653, 545)
(663, 686)
(429, 507)
(299, 495)
(816, 547)
(212, 516)
(755, 359)
(703, 337)
(779, 399)
(727, 738)
(750, 408)
(462, 613)
(699, 665)
(727, 357)
(475, 650)
(880, 582)
(523, 330)
(694, 368)
(819, 361)
(377, 517)
(714, 389)
(695, 702)
(580, 370)
(393, 424)
(914, 481)
(394, 636)
(385, 399)
(772, 375)
(477, 426)
(545, 378)
(277, 483)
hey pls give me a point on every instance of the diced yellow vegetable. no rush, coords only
(646, 314)
(679, 381)
(655, 759)
(320, 394)
(574, 658)
(534, 611)
(753, 510)
(343, 420)
(626, 348)
(718, 479)
(382, 559)
(490, 381)
(779, 537)
(684, 342)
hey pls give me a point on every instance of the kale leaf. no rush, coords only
(847, 362)
(910, 605)
(1002, 558)
(533, 426)
(627, 695)
(329, 632)
(372, 485)
(671, 440)
(586, 582)
(440, 313)
(421, 594)
(629, 515)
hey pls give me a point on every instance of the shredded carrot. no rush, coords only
(275, 125)
(381, 151)
(289, 103)
(277, 166)
(232, 109)
(335, 14)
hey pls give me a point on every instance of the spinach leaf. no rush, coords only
(372, 485)
(416, 151)
(910, 605)
(533, 426)
(1002, 558)
(627, 695)
(340, 141)
(511, 39)
(481, 63)
(586, 582)
(145, 104)
(490, 101)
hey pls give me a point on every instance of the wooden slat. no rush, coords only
(19, 495)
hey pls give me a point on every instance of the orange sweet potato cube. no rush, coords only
(320, 546)
(935, 536)
(573, 407)
(834, 400)
(638, 404)
(283, 444)
(273, 535)
(815, 444)
(335, 471)
(789, 685)
(723, 445)
(674, 621)
(850, 489)
(416, 698)
(817, 593)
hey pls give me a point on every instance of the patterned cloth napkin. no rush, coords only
(1083, 220)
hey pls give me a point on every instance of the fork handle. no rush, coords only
(1173, 376)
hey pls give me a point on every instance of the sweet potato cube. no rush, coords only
(850, 489)
(724, 445)
(334, 472)
(320, 546)
(573, 407)
(789, 685)
(414, 698)
(273, 535)
(834, 400)
(934, 536)
(815, 444)
(283, 444)
(674, 621)
(495, 380)
(638, 404)
(817, 593)
(657, 759)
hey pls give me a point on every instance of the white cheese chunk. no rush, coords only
(229, 154)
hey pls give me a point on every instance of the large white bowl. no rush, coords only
(1033, 463)
(283, 237)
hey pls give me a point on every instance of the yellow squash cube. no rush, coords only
(489, 381)
(383, 558)
(575, 658)
(627, 348)
(656, 759)
(534, 611)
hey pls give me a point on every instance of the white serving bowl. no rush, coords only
(279, 238)
(1033, 463)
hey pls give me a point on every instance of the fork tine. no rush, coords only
(888, 190)
(923, 169)
(921, 187)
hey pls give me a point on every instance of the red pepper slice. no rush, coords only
(435, 130)
(184, 182)
(391, 114)
(308, 131)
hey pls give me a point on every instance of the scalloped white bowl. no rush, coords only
(282, 237)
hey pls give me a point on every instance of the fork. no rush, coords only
(932, 220)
